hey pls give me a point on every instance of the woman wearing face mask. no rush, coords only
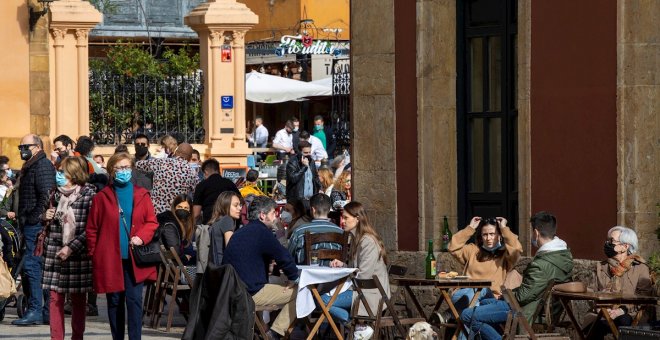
(226, 214)
(177, 226)
(495, 253)
(622, 272)
(122, 215)
(67, 266)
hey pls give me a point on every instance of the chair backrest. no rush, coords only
(326, 254)
(545, 306)
(516, 317)
(251, 163)
(397, 270)
(270, 159)
(176, 268)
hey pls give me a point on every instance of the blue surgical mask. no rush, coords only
(194, 166)
(318, 127)
(123, 176)
(535, 243)
(60, 179)
(493, 248)
(9, 173)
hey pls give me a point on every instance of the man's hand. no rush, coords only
(305, 161)
(474, 223)
(290, 285)
(136, 241)
(64, 253)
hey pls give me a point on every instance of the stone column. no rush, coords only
(83, 81)
(58, 46)
(69, 23)
(238, 45)
(223, 78)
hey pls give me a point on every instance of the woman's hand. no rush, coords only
(474, 223)
(615, 313)
(64, 253)
(136, 241)
(336, 264)
(502, 221)
(50, 213)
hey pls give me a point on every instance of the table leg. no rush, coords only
(326, 310)
(610, 322)
(569, 312)
(420, 310)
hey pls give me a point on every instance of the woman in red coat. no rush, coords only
(121, 216)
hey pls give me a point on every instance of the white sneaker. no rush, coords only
(363, 332)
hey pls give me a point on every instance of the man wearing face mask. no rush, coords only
(326, 135)
(37, 179)
(320, 205)
(625, 272)
(495, 253)
(302, 179)
(553, 261)
(62, 148)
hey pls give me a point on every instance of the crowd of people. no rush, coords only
(92, 214)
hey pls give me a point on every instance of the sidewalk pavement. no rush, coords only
(97, 327)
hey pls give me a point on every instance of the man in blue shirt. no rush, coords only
(320, 205)
(251, 250)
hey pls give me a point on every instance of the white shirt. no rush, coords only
(283, 138)
(318, 152)
(260, 136)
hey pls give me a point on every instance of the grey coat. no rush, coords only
(368, 260)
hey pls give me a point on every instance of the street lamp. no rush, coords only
(35, 15)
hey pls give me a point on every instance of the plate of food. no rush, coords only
(447, 275)
(461, 277)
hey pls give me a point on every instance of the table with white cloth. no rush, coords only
(310, 279)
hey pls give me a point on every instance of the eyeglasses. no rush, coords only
(26, 146)
(120, 168)
(613, 241)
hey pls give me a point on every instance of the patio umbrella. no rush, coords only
(265, 88)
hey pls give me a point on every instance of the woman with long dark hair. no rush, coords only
(176, 226)
(368, 254)
(226, 214)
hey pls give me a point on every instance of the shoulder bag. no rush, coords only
(41, 236)
(146, 255)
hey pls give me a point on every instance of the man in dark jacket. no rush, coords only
(251, 250)
(302, 179)
(37, 179)
(553, 261)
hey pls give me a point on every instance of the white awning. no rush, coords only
(265, 88)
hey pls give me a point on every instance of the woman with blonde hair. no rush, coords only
(67, 267)
(327, 179)
(341, 192)
(368, 254)
(168, 144)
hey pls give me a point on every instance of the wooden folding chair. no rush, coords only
(312, 239)
(172, 284)
(382, 318)
(517, 319)
(151, 296)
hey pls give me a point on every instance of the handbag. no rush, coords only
(41, 236)
(146, 255)
(7, 284)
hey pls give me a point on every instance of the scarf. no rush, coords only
(65, 213)
(619, 268)
(308, 189)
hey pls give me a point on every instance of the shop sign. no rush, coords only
(299, 44)
(227, 102)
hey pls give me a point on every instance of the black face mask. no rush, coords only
(26, 154)
(63, 154)
(182, 214)
(608, 248)
(141, 150)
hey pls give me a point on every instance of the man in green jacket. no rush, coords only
(553, 261)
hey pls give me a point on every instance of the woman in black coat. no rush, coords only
(176, 227)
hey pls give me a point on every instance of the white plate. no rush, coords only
(461, 277)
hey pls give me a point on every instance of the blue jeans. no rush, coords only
(462, 297)
(482, 319)
(129, 300)
(32, 269)
(340, 309)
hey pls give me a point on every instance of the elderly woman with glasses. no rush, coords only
(623, 272)
(122, 216)
(492, 257)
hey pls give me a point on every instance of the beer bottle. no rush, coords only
(446, 235)
(430, 262)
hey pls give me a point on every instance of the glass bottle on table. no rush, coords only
(446, 235)
(431, 270)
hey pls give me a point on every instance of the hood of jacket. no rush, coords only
(554, 245)
(561, 259)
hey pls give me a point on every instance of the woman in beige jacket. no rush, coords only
(369, 256)
(625, 272)
(495, 253)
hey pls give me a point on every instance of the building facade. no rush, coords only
(506, 108)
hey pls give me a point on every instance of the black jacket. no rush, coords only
(330, 142)
(220, 306)
(36, 181)
(142, 179)
(295, 178)
(170, 232)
